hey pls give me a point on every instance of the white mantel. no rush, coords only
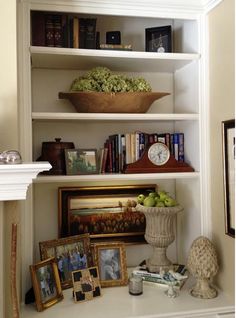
(15, 179)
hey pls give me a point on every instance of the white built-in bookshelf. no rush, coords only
(45, 71)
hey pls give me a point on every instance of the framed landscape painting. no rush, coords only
(103, 212)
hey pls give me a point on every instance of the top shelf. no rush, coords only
(131, 61)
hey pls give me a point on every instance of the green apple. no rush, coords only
(140, 198)
(149, 202)
(163, 195)
(153, 194)
(160, 204)
(169, 202)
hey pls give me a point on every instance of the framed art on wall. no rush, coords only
(104, 212)
(228, 128)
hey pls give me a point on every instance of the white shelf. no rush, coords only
(117, 177)
(153, 303)
(44, 116)
(129, 61)
(15, 179)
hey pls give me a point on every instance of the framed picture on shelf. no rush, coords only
(111, 261)
(86, 284)
(46, 283)
(158, 39)
(81, 161)
(71, 253)
(228, 128)
(106, 212)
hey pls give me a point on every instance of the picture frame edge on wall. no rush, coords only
(228, 214)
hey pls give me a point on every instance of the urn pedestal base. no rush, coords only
(159, 233)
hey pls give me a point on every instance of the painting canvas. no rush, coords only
(103, 212)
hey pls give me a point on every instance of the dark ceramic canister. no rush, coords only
(54, 152)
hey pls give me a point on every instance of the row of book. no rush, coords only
(155, 279)
(63, 30)
(122, 149)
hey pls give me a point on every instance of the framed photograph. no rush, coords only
(71, 253)
(81, 161)
(46, 284)
(158, 39)
(106, 213)
(86, 284)
(111, 261)
(228, 128)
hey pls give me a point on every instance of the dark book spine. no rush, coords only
(58, 31)
(181, 147)
(65, 30)
(38, 28)
(82, 33)
(49, 30)
(90, 34)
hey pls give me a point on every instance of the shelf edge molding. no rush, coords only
(16, 178)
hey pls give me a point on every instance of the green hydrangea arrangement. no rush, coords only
(101, 79)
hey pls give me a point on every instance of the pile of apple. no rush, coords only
(157, 199)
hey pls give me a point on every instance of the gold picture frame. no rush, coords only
(110, 259)
(86, 284)
(71, 253)
(88, 209)
(46, 284)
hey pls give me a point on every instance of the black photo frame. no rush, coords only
(158, 39)
(228, 129)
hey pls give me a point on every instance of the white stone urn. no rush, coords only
(159, 234)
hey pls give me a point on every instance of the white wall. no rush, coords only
(222, 105)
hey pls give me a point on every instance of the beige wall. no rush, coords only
(222, 105)
(8, 128)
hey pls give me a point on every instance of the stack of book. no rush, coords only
(155, 279)
(122, 149)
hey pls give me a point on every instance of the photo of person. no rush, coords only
(110, 264)
(71, 254)
(47, 283)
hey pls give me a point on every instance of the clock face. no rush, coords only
(158, 154)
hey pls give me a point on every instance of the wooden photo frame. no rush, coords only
(71, 253)
(46, 283)
(110, 259)
(228, 129)
(81, 161)
(106, 213)
(158, 39)
(86, 284)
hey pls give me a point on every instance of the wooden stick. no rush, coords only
(14, 298)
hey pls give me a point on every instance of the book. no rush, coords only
(90, 33)
(156, 279)
(49, 30)
(181, 147)
(75, 32)
(58, 31)
(82, 32)
(178, 143)
(122, 47)
(38, 28)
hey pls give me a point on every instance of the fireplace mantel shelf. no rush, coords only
(15, 179)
